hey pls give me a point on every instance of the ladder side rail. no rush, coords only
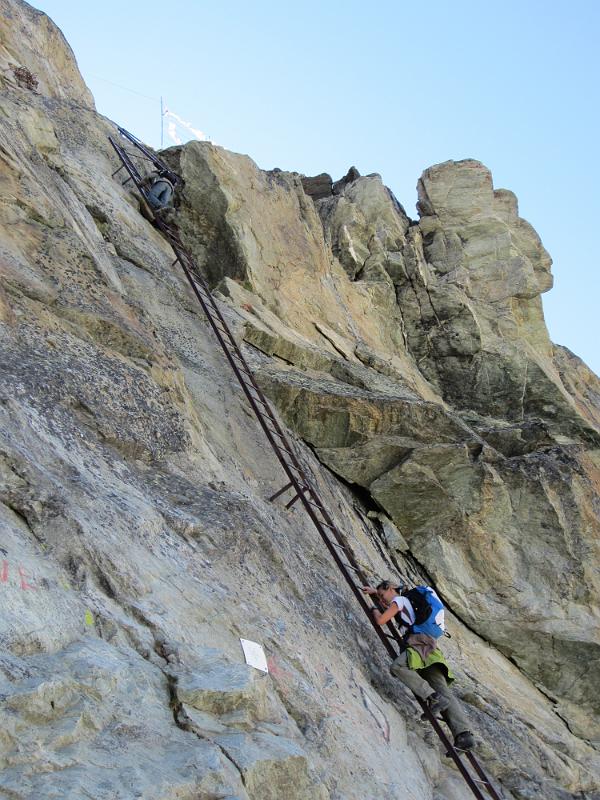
(298, 484)
(128, 163)
(315, 498)
(480, 771)
(452, 752)
(315, 502)
(193, 274)
(186, 261)
(142, 147)
(301, 486)
(131, 169)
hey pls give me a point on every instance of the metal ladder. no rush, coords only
(298, 481)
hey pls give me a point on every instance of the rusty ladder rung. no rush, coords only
(257, 399)
(294, 499)
(298, 469)
(245, 369)
(267, 414)
(321, 507)
(349, 566)
(202, 290)
(256, 390)
(277, 433)
(341, 546)
(240, 360)
(280, 491)
(283, 449)
(327, 525)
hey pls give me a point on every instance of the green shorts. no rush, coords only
(414, 661)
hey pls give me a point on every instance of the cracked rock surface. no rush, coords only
(451, 440)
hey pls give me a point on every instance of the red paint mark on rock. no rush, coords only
(4, 575)
(24, 585)
(282, 677)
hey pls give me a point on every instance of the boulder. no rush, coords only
(318, 187)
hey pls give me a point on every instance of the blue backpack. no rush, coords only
(429, 611)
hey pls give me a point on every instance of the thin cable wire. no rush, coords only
(126, 88)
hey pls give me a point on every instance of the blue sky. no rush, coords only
(390, 87)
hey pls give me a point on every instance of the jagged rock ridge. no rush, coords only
(410, 359)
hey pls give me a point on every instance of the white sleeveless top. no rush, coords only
(406, 615)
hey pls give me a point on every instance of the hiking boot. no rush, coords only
(437, 703)
(464, 741)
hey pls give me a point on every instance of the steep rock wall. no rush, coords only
(494, 489)
(137, 543)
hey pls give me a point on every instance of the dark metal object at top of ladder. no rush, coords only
(298, 480)
(158, 162)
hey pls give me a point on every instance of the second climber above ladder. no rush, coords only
(421, 665)
(159, 187)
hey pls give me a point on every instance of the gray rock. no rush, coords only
(352, 175)
(271, 767)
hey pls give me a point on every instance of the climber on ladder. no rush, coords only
(421, 666)
(159, 189)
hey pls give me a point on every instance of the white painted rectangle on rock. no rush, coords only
(254, 655)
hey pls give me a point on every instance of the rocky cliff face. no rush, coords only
(451, 439)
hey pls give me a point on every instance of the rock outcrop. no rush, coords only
(453, 442)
